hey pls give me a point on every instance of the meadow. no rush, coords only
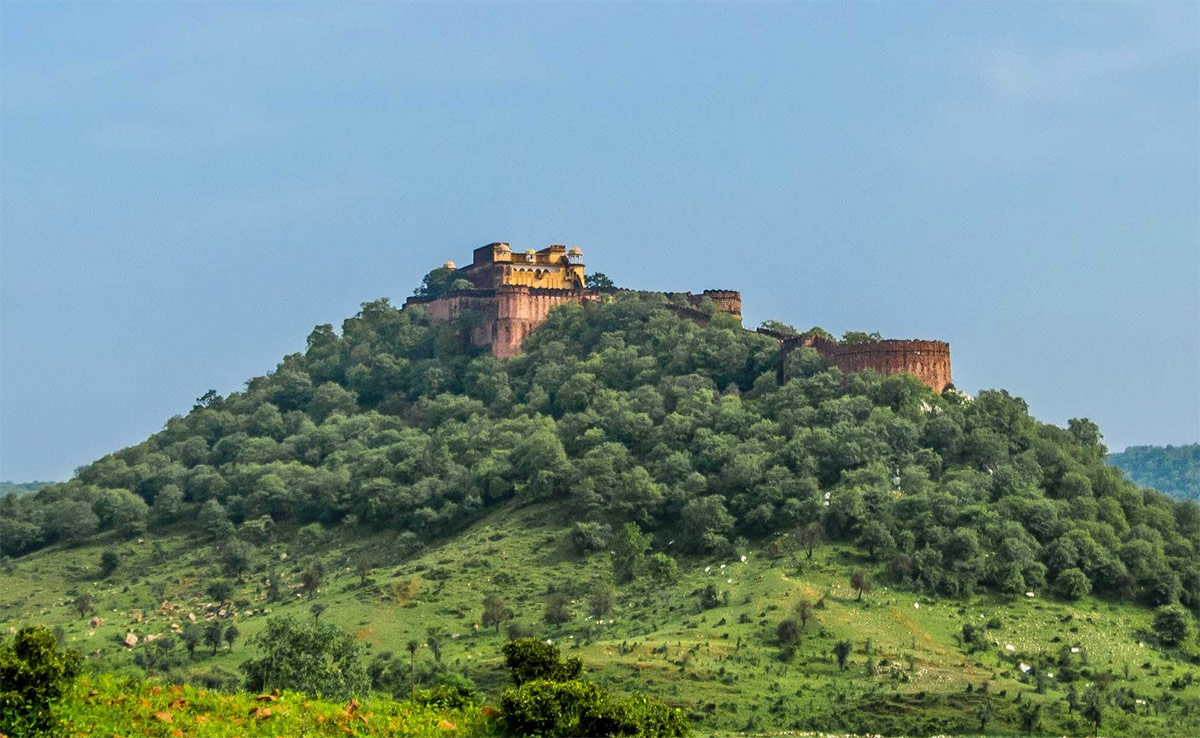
(909, 670)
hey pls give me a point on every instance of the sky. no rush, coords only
(187, 189)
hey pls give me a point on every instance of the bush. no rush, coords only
(1172, 625)
(576, 708)
(1072, 584)
(588, 537)
(529, 660)
(34, 674)
(318, 659)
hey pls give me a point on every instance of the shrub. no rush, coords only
(1072, 584)
(1172, 625)
(529, 660)
(319, 659)
(576, 708)
(34, 674)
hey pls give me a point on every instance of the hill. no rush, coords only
(640, 490)
(20, 488)
(1171, 469)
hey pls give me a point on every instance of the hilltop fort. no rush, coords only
(511, 293)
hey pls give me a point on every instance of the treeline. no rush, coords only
(1171, 469)
(628, 413)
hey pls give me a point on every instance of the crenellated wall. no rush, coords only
(928, 361)
(509, 313)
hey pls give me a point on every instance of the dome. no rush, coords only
(575, 251)
(449, 265)
(529, 252)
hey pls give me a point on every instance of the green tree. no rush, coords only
(109, 561)
(495, 612)
(231, 634)
(1092, 708)
(213, 635)
(663, 569)
(1173, 625)
(601, 599)
(315, 659)
(598, 281)
(1072, 584)
(168, 505)
(860, 582)
(557, 610)
(841, 651)
(236, 556)
(83, 604)
(629, 552)
(529, 660)
(213, 520)
(219, 590)
(804, 611)
(34, 675)
(876, 539)
(192, 635)
(412, 648)
(1030, 715)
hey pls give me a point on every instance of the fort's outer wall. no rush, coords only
(508, 314)
(928, 361)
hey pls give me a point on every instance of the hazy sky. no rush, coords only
(188, 188)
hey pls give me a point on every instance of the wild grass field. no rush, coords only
(908, 671)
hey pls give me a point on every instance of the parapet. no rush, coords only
(928, 361)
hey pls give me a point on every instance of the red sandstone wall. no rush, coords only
(928, 361)
(509, 313)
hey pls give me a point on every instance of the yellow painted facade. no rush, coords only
(554, 267)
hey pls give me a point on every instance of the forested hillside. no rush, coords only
(20, 488)
(640, 489)
(625, 412)
(1171, 469)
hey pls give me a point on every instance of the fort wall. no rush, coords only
(509, 313)
(928, 361)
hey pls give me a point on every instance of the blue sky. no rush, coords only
(186, 189)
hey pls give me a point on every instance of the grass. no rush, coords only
(720, 665)
(108, 706)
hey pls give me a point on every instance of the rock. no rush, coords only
(131, 640)
(95, 622)
(192, 616)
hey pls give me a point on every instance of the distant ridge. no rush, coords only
(1174, 470)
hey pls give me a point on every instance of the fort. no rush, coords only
(511, 293)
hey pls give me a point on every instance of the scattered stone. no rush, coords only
(131, 640)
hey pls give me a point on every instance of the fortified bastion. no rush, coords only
(511, 293)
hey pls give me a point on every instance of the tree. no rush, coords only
(787, 633)
(629, 552)
(434, 636)
(192, 635)
(598, 281)
(109, 561)
(83, 604)
(213, 520)
(810, 536)
(530, 660)
(495, 611)
(34, 675)
(412, 647)
(876, 538)
(1072, 584)
(219, 590)
(1172, 625)
(315, 659)
(438, 281)
(601, 599)
(72, 521)
(984, 713)
(1030, 715)
(804, 611)
(213, 635)
(362, 567)
(860, 582)
(168, 505)
(311, 578)
(317, 611)
(663, 568)
(1092, 708)
(841, 651)
(235, 557)
(231, 635)
(557, 610)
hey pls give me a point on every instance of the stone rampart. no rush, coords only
(928, 361)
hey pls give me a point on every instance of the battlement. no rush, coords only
(513, 292)
(928, 361)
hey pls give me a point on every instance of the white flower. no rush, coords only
(916, 605)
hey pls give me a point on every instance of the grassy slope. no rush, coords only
(107, 706)
(717, 664)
